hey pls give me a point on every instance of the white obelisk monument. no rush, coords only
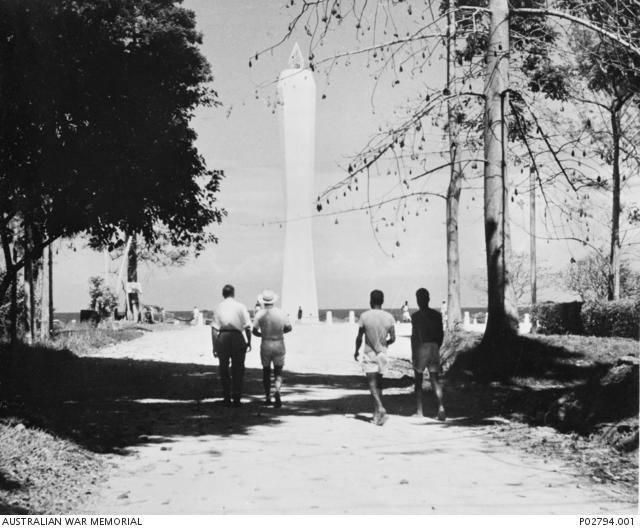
(298, 92)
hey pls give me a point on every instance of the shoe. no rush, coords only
(267, 401)
(278, 402)
(442, 416)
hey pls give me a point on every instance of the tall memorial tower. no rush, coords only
(298, 91)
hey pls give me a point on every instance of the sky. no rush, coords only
(243, 137)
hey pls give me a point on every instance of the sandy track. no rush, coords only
(319, 453)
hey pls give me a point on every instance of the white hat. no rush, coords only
(268, 297)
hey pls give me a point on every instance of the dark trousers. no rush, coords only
(231, 349)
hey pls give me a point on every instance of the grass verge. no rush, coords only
(40, 472)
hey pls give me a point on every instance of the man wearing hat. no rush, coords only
(230, 320)
(271, 324)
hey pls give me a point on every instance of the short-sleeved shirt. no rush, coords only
(426, 326)
(377, 324)
(231, 315)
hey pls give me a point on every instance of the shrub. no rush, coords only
(612, 318)
(558, 318)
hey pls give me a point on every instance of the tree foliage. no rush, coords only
(589, 278)
(94, 129)
(102, 297)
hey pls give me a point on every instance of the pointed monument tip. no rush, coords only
(296, 61)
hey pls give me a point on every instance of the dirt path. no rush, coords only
(319, 453)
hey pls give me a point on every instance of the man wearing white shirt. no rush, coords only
(230, 320)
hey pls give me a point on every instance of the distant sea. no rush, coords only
(338, 314)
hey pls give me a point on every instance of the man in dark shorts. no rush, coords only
(377, 327)
(230, 321)
(427, 335)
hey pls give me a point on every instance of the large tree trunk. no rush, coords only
(502, 321)
(614, 256)
(454, 310)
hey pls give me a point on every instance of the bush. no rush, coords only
(612, 318)
(558, 318)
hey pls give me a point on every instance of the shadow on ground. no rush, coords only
(110, 404)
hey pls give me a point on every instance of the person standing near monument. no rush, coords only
(427, 335)
(377, 327)
(271, 324)
(230, 320)
(406, 317)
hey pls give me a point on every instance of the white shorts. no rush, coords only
(374, 363)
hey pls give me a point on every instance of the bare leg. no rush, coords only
(278, 375)
(417, 388)
(437, 389)
(379, 413)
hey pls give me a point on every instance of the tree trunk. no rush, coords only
(502, 321)
(13, 329)
(50, 284)
(44, 298)
(133, 301)
(29, 332)
(454, 310)
(532, 238)
(614, 256)
(28, 312)
(36, 295)
(10, 281)
(132, 260)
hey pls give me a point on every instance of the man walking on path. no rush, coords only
(378, 329)
(230, 320)
(426, 338)
(271, 324)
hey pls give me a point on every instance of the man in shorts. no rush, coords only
(230, 321)
(271, 324)
(377, 327)
(427, 335)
